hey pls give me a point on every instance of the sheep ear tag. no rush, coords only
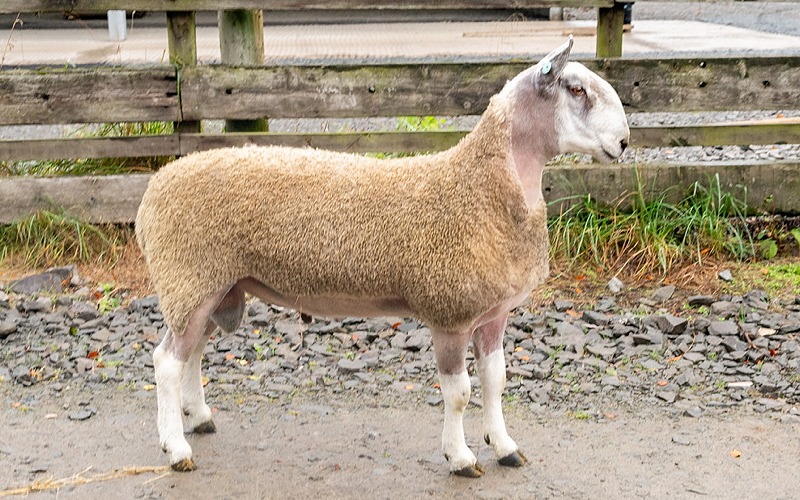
(547, 67)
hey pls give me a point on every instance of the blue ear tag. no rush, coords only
(547, 67)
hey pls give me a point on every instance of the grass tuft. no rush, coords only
(46, 239)
(647, 235)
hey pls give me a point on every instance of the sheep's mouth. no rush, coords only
(609, 156)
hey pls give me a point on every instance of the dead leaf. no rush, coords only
(148, 387)
(736, 453)
(409, 387)
(519, 348)
(93, 354)
(662, 383)
(16, 405)
(524, 358)
(229, 356)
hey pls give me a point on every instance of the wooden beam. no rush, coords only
(366, 142)
(350, 142)
(679, 84)
(88, 95)
(772, 186)
(95, 147)
(715, 135)
(92, 95)
(703, 84)
(241, 41)
(113, 198)
(609, 30)
(182, 41)
(116, 198)
(14, 6)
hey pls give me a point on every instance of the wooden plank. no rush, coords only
(716, 135)
(113, 198)
(777, 182)
(681, 84)
(703, 84)
(609, 30)
(88, 95)
(95, 147)
(341, 91)
(182, 42)
(116, 198)
(351, 142)
(747, 134)
(241, 42)
(14, 6)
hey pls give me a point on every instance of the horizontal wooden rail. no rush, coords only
(108, 94)
(89, 95)
(364, 142)
(14, 6)
(115, 198)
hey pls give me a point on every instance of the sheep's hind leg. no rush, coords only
(193, 399)
(227, 315)
(451, 351)
(488, 348)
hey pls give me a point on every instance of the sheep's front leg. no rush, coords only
(451, 350)
(488, 348)
(170, 360)
(169, 374)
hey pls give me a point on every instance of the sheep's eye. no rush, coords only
(577, 91)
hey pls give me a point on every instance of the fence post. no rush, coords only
(610, 22)
(182, 37)
(241, 43)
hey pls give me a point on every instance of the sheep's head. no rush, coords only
(570, 107)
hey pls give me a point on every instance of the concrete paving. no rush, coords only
(412, 42)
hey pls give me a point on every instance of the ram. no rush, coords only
(456, 239)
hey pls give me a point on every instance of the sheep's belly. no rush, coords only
(329, 306)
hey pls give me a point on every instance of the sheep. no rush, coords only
(456, 239)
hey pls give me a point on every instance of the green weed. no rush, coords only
(652, 234)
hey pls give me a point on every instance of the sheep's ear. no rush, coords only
(546, 73)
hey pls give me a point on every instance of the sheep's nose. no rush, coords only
(623, 144)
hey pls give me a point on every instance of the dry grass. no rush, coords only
(79, 479)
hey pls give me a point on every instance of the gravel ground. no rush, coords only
(685, 354)
(669, 394)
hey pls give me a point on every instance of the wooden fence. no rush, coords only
(245, 92)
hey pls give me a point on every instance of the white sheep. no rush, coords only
(456, 239)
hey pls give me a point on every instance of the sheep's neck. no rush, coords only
(533, 138)
(530, 172)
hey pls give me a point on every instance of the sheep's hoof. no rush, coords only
(185, 465)
(472, 471)
(516, 459)
(206, 428)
